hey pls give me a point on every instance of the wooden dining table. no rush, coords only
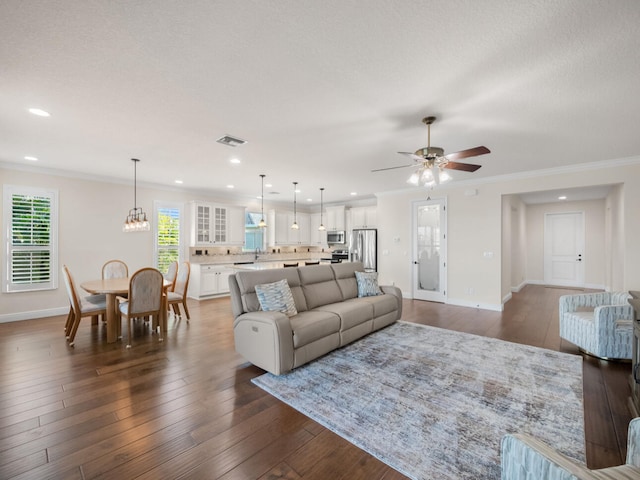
(111, 288)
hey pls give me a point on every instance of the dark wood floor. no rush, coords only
(186, 408)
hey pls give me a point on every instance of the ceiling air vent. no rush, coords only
(231, 141)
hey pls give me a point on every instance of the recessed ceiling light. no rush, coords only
(39, 112)
(562, 197)
(235, 161)
(230, 186)
(353, 194)
(259, 197)
(297, 190)
(309, 199)
(31, 159)
(268, 185)
(179, 181)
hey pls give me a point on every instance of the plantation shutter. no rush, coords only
(168, 236)
(30, 239)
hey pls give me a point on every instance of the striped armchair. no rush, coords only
(601, 324)
(525, 458)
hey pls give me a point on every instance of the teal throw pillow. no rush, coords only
(276, 297)
(367, 284)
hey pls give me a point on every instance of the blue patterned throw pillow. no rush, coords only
(367, 284)
(276, 297)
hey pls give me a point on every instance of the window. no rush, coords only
(253, 234)
(30, 239)
(168, 238)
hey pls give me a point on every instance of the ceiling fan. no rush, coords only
(431, 161)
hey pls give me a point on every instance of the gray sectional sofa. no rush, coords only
(330, 314)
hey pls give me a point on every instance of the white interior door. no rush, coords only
(564, 249)
(429, 250)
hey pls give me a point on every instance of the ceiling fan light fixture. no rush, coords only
(414, 179)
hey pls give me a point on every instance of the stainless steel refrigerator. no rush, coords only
(363, 248)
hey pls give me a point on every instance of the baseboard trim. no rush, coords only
(19, 316)
(517, 288)
(506, 298)
(482, 306)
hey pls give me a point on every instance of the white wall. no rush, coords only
(614, 239)
(475, 227)
(91, 214)
(594, 224)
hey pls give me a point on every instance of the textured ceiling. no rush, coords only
(323, 91)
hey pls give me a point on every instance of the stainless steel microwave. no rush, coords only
(336, 237)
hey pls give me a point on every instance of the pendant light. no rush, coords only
(262, 223)
(321, 227)
(295, 225)
(136, 220)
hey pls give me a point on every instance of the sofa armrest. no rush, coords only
(523, 457)
(265, 339)
(396, 292)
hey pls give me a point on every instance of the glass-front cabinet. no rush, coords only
(216, 225)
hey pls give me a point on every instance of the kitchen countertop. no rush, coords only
(270, 265)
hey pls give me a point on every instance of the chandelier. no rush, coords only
(136, 220)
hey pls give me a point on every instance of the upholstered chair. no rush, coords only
(115, 269)
(170, 276)
(601, 324)
(524, 458)
(145, 298)
(80, 307)
(179, 294)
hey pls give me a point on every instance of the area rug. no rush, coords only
(434, 404)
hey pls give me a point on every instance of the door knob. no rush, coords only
(416, 263)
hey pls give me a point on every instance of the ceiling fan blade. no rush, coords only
(412, 155)
(471, 152)
(393, 168)
(466, 167)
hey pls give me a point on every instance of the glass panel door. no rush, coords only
(429, 252)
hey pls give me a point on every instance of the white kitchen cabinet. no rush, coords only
(318, 237)
(281, 233)
(216, 225)
(335, 218)
(235, 225)
(363, 217)
(208, 280)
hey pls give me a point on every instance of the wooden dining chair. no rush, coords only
(171, 275)
(179, 294)
(90, 306)
(115, 269)
(144, 299)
